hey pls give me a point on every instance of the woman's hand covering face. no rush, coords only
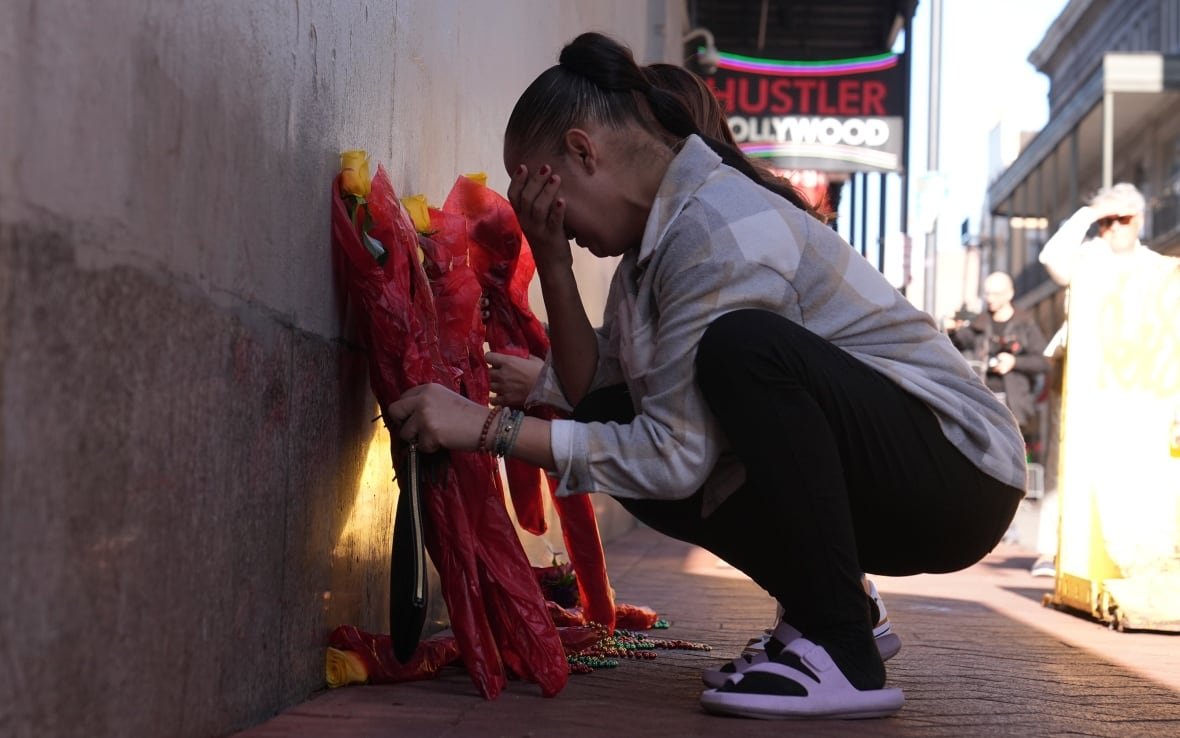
(541, 213)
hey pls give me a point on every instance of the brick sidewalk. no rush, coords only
(981, 657)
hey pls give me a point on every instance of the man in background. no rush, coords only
(1010, 346)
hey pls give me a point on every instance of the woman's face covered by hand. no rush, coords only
(578, 193)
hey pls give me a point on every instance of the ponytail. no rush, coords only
(598, 79)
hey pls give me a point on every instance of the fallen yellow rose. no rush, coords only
(354, 173)
(343, 668)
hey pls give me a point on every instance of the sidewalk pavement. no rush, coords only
(981, 657)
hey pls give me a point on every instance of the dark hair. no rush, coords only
(598, 80)
(696, 97)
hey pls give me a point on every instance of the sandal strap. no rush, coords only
(815, 656)
(807, 681)
(745, 661)
(785, 633)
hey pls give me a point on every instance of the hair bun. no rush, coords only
(604, 61)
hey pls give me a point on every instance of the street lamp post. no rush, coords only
(931, 261)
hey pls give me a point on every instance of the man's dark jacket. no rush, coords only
(1023, 339)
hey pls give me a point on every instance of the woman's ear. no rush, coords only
(581, 149)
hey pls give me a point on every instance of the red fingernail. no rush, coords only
(520, 169)
(544, 170)
(553, 179)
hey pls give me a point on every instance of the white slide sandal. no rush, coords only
(803, 683)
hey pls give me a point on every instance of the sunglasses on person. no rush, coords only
(1108, 221)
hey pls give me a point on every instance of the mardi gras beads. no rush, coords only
(625, 644)
(585, 663)
(678, 644)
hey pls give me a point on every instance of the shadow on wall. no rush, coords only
(181, 475)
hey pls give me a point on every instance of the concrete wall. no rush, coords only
(191, 492)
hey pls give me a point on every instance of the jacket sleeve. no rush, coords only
(962, 338)
(1031, 360)
(547, 389)
(674, 442)
(1062, 251)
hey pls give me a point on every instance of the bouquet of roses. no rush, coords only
(454, 506)
(374, 253)
(503, 264)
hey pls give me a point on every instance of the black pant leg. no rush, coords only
(846, 472)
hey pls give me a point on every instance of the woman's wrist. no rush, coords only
(556, 277)
(507, 430)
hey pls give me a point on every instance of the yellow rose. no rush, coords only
(480, 178)
(354, 173)
(343, 668)
(419, 211)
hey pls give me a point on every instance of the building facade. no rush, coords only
(192, 490)
(1114, 71)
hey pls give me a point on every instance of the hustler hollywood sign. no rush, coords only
(843, 115)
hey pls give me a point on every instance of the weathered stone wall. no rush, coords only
(191, 491)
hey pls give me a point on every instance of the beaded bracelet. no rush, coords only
(493, 438)
(487, 424)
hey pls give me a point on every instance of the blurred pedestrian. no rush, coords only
(1009, 345)
(1105, 234)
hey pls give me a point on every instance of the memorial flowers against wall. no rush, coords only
(409, 272)
(527, 639)
(503, 264)
(374, 253)
(494, 623)
(354, 186)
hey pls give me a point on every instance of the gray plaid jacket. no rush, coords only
(716, 242)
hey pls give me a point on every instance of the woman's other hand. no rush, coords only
(434, 418)
(511, 378)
